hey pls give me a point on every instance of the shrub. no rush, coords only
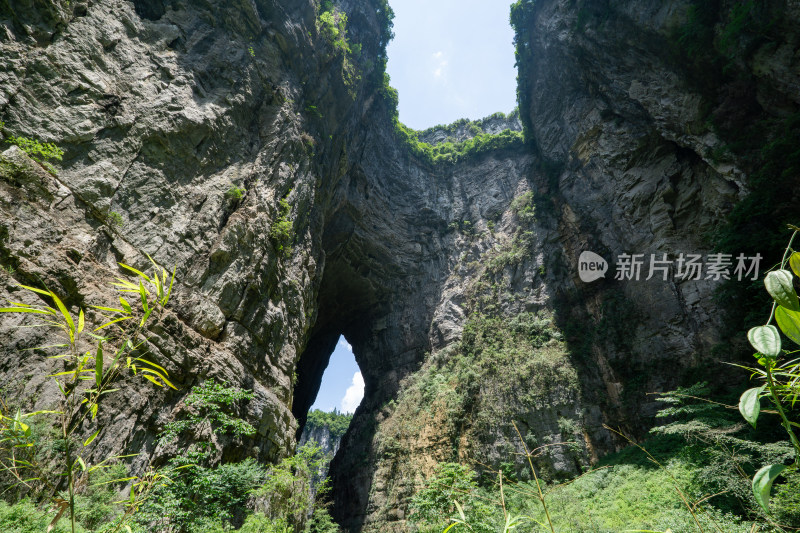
(212, 406)
(235, 193)
(436, 502)
(280, 234)
(202, 497)
(114, 220)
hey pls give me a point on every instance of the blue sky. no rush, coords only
(451, 59)
(342, 384)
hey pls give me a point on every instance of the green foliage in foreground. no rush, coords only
(336, 422)
(625, 492)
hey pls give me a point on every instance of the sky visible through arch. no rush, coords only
(451, 59)
(342, 383)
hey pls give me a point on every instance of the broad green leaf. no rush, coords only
(749, 404)
(98, 364)
(79, 460)
(766, 340)
(125, 305)
(762, 484)
(794, 262)
(81, 321)
(779, 286)
(90, 439)
(94, 410)
(789, 322)
(137, 272)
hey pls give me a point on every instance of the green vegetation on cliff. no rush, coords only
(336, 422)
(448, 152)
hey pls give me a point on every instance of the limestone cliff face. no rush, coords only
(162, 107)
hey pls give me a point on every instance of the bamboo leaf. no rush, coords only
(98, 364)
(160, 376)
(137, 272)
(40, 291)
(35, 413)
(22, 310)
(90, 439)
(113, 322)
(169, 291)
(779, 286)
(124, 283)
(93, 409)
(112, 309)
(151, 378)
(145, 361)
(79, 460)
(762, 484)
(145, 317)
(125, 305)
(143, 294)
(81, 321)
(68, 373)
(65, 314)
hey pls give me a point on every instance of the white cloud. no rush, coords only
(354, 394)
(439, 63)
(344, 344)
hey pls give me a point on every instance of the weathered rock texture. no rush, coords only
(162, 107)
